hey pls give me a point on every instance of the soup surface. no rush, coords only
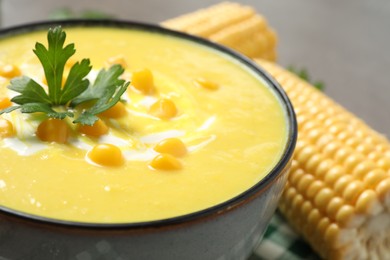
(233, 127)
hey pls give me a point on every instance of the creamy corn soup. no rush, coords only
(194, 129)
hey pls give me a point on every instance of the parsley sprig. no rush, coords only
(62, 101)
(304, 74)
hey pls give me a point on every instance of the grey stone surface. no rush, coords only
(342, 42)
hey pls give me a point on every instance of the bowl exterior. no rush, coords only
(230, 234)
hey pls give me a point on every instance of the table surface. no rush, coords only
(342, 43)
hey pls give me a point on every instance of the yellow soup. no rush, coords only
(195, 129)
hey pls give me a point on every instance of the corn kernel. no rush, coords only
(305, 182)
(297, 202)
(331, 235)
(172, 146)
(331, 149)
(306, 208)
(312, 219)
(207, 84)
(305, 154)
(335, 254)
(313, 162)
(9, 71)
(334, 175)
(163, 108)
(375, 176)
(383, 191)
(294, 165)
(116, 111)
(166, 162)
(314, 135)
(142, 80)
(368, 203)
(362, 168)
(296, 210)
(289, 192)
(323, 169)
(314, 188)
(99, 128)
(321, 229)
(345, 215)
(333, 206)
(117, 60)
(322, 198)
(53, 130)
(342, 154)
(106, 155)
(353, 190)
(352, 161)
(342, 183)
(384, 163)
(6, 128)
(5, 102)
(295, 176)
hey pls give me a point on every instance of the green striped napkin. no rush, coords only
(280, 242)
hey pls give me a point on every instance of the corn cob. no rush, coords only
(338, 191)
(231, 24)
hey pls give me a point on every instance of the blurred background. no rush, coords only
(341, 43)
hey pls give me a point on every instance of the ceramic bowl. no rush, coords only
(229, 230)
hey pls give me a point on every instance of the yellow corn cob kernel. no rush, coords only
(338, 192)
(232, 24)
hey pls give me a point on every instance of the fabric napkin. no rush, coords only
(280, 242)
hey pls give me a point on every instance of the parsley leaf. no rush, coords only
(67, 13)
(76, 82)
(53, 60)
(107, 100)
(45, 108)
(104, 93)
(303, 74)
(29, 90)
(106, 79)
